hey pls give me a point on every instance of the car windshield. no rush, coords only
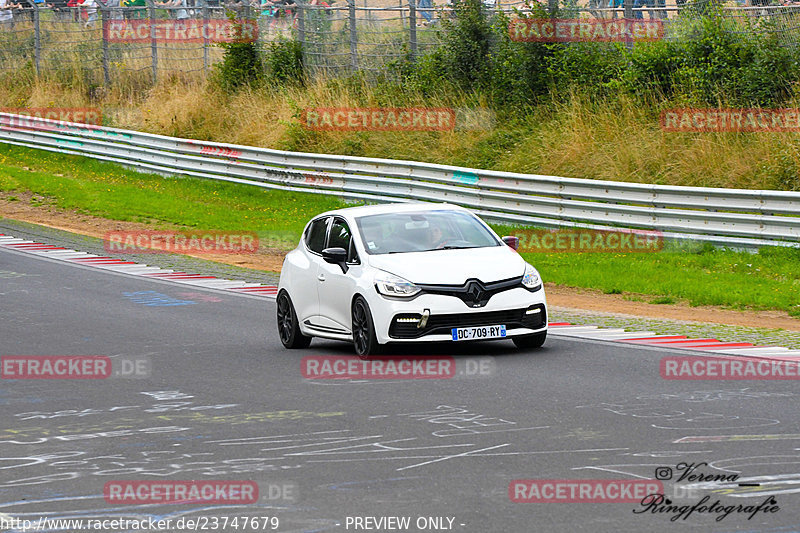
(423, 231)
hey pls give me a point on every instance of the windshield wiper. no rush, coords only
(450, 248)
(431, 249)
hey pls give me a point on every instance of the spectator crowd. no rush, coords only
(281, 14)
(272, 14)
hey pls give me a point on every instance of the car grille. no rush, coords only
(442, 324)
(474, 293)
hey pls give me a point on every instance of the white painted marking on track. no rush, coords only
(567, 330)
(614, 334)
(64, 254)
(465, 454)
(755, 351)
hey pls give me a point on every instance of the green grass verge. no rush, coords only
(700, 275)
(696, 274)
(114, 192)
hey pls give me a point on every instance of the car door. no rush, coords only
(335, 288)
(306, 266)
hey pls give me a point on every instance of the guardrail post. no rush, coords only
(353, 35)
(301, 23)
(104, 30)
(628, 5)
(204, 6)
(151, 12)
(301, 31)
(412, 33)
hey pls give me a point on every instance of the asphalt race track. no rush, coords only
(209, 393)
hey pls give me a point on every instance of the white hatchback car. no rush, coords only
(414, 272)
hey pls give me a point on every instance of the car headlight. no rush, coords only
(531, 279)
(391, 285)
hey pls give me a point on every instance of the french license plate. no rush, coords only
(480, 332)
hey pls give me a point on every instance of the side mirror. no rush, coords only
(512, 242)
(336, 256)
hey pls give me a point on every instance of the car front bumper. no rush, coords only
(522, 312)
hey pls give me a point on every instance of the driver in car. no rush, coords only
(437, 237)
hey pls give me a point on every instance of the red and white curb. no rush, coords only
(649, 338)
(135, 269)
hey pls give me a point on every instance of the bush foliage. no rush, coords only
(241, 63)
(708, 59)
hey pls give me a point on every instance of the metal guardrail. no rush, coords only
(732, 217)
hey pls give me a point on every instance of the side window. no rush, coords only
(315, 235)
(340, 237)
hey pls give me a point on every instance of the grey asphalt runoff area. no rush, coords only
(217, 398)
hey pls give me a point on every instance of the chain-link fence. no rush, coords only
(142, 40)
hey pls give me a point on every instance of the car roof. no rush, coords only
(379, 209)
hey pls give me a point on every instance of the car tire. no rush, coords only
(534, 340)
(364, 340)
(288, 326)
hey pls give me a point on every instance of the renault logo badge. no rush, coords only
(476, 293)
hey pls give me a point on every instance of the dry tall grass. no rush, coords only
(623, 141)
(617, 140)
